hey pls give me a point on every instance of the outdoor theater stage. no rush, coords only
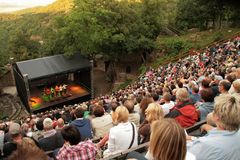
(53, 81)
(39, 100)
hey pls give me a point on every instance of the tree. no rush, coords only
(22, 47)
(112, 28)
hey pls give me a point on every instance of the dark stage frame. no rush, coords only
(29, 73)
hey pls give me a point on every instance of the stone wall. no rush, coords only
(7, 80)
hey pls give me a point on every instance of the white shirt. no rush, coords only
(120, 138)
(167, 106)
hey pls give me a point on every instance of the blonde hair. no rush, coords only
(122, 114)
(227, 109)
(236, 85)
(167, 141)
(182, 95)
(154, 112)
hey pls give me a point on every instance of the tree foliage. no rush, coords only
(205, 13)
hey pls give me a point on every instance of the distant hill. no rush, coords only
(58, 6)
(36, 22)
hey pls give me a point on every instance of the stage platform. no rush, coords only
(40, 101)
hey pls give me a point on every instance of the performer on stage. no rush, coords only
(64, 89)
(61, 90)
(57, 91)
(52, 92)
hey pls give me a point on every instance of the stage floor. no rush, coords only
(39, 101)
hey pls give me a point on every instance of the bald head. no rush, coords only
(60, 123)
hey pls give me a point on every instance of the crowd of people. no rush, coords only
(155, 109)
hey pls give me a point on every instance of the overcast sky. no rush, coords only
(14, 5)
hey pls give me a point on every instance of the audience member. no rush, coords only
(83, 124)
(207, 105)
(184, 111)
(133, 116)
(153, 112)
(168, 141)
(168, 104)
(73, 148)
(102, 122)
(124, 135)
(220, 143)
(52, 139)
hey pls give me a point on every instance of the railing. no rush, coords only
(115, 156)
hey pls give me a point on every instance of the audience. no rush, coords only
(175, 86)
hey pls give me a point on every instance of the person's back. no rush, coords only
(101, 125)
(134, 118)
(84, 127)
(73, 148)
(122, 136)
(218, 145)
(52, 142)
(52, 139)
(82, 124)
(222, 142)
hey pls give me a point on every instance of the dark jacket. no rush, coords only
(51, 143)
(84, 127)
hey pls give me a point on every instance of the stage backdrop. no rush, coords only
(33, 76)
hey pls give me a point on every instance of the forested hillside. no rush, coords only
(21, 31)
(108, 27)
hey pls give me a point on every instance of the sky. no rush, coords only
(14, 5)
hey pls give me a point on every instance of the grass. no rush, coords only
(197, 40)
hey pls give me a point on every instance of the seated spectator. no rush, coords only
(153, 112)
(73, 148)
(224, 86)
(143, 106)
(221, 142)
(28, 151)
(101, 123)
(114, 106)
(124, 135)
(168, 104)
(207, 105)
(60, 124)
(195, 96)
(184, 111)
(51, 138)
(16, 138)
(133, 116)
(83, 125)
(236, 87)
(168, 142)
(39, 133)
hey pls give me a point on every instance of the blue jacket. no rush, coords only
(84, 127)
